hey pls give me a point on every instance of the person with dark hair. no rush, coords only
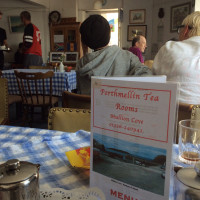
(138, 47)
(3, 44)
(31, 42)
(104, 60)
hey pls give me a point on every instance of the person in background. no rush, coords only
(19, 54)
(31, 42)
(3, 42)
(180, 60)
(138, 47)
(104, 60)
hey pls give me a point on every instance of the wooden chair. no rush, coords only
(68, 119)
(40, 67)
(12, 98)
(73, 100)
(148, 63)
(42, 95)
(4, 101)
(184, 111)
(17, 66)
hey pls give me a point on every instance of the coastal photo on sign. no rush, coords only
(132, 163)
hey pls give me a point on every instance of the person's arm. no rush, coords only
(28, 37)
(5, 39)
(5, 43)
(138, 68)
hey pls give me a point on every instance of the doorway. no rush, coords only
(112, 18)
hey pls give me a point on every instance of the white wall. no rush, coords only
(44, 3)
(39, 18)
(67, 8)
(167, 35)
(84, 5)
(89, 4)
(197, 5)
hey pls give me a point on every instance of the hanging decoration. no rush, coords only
(104, 2)
(160, 27)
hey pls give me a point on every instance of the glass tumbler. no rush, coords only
(189, 141)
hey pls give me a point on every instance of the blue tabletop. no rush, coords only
(47, 148)
(61, 81)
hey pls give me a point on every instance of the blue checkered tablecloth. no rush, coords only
(61, 81)
(47, 148)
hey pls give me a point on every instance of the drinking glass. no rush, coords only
(189, 141)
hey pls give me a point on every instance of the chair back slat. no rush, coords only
(43, 86)
(36, 89)
(20, 90)
(23, 91)
(50, 90)
(40, 67)
(29, 90)
(38, 93)
(4, 101)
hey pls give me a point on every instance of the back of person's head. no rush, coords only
(95, 32)
(135, 39)
(193, 22)
(25, 15)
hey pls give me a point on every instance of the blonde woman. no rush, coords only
(180, 60)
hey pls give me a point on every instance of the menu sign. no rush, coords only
(132, 136)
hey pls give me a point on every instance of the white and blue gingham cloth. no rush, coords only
(61, 81)
(47, 148)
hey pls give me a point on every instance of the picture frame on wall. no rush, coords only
(71, 57)
(55, 56)
(178, 13)
(16, 25)
(134, 30)
(137, 16)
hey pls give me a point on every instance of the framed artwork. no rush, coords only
(137, 16)
(178, 13)
(134, 30)
(55, 56)
(16, 26)
(71, 57)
